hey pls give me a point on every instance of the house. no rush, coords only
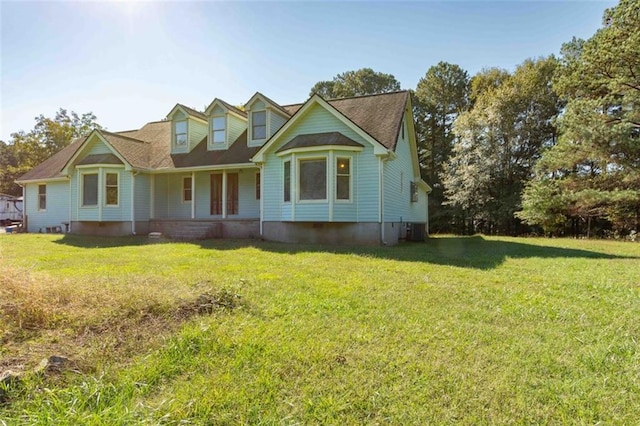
(325, 171)
(10, 209)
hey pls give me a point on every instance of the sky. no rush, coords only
(129, 62)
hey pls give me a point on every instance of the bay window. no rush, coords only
(313, 179)
(90, 189)
(111, 189)
(343, 178)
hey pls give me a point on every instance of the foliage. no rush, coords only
(441, 95)
(364, 81)
(595, 167)
(499, 140)
(455, 330)
(49, 135)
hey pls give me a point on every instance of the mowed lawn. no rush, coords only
(464, 330)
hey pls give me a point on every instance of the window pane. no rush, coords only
(186, 189)
(218, 123)
(259, 118)
(287, 181)
(343, 166)
(112, 189)
(90, 190)
(259, 125)
(181, 132)
(218, 136)
(42, 197)
(313, 179)
(342, 188)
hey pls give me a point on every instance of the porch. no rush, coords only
(197, 229)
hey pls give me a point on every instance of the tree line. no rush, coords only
(552, 147)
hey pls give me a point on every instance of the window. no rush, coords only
(218, 129)
(181, 133)
(42, 197)
(287, 181)
(414, 192)
(343, 179)
(111, 189)
(186, 189)
(90, 189)
(313, 179)
(259, 125)
(258, 186)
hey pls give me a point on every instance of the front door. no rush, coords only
(216, 194)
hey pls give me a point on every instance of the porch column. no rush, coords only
(193, 195)
(224, 194)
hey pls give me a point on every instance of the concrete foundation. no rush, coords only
(108, 229)
(201, 229)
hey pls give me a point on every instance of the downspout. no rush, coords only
(261, 198)
(381, 197)
(133, 198)
(70, 209)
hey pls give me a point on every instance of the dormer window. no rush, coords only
(181, 133)
(259, 125)
(218, 129)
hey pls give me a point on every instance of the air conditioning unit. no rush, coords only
(417, 232)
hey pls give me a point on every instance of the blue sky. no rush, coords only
(131, 62)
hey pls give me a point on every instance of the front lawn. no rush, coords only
(465, 330)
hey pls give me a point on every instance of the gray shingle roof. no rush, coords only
(149, 147)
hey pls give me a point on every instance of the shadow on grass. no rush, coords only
(467, 252)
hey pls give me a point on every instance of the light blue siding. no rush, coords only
(102, 212)
(57, 210)
(197, 131)
(365, 203)
(397, 202)
(236, 127)
(142, 197)
(176, 208)
(97, 147)
(276, 121)
(160, 196)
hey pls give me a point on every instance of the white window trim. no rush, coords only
(327, 179)
(184, 178)
(225, 129)
(81, 191)
(45, 197)
(175, 134)
(266, 125)
(105, 189)
(288, 160)
(335, 194)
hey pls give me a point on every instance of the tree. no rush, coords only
(364, 81)
(498, 143)
(49, 135)
(440, 96)
(594, 170)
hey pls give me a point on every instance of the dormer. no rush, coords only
(188, 128)
(265, 118)
(226, 124)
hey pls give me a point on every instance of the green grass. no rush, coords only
(473, 330)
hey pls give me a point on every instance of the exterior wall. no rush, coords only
(57, 211)
(235, 128)
(322, 233)
(258, 105)
(108, 229)
(101, 212)
(142, 197)
(168, 202)
(364, 204)
(398, 175)
(197, 130)
(201, 229)
(275, 122)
